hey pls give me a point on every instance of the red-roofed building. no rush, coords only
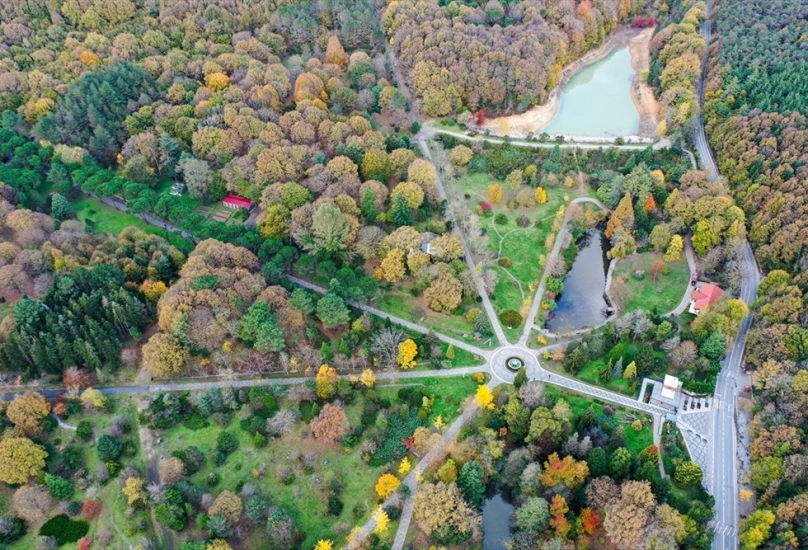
(235, 202)
(705, 295)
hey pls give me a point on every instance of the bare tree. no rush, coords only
(385, 346)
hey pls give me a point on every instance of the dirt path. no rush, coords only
(538, 117)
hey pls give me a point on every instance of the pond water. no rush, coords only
(597, 101)
(496, 523)
(582, 304)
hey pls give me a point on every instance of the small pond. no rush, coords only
(597, 101)
(496, 522)
(582, 304)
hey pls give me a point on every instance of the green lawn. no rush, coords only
(403, 304)
(123, 529)
(634, 442)
(665, 293)
(524, 247)
(304, 497)
(109, 220)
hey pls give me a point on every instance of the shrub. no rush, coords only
(91, 509)
(639, 274)
(226, 442)
(504, 261)
(84, 430)
(501, 219)
(109, 448)
(335, 505)
(64, 529)
(523, 221)
(510, 318)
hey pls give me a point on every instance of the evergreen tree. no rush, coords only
(369, 210)
(400, 212)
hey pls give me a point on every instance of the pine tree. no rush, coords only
(400, 212)
(369, 210)
(617, 370)
(631, 371)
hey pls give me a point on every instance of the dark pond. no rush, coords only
(582, 304)
(496, 522)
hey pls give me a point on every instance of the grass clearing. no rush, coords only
(305, 496)
(522, 249)
(109, 220)
(664, 294)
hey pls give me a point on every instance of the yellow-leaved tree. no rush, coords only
(326, 382)
(323, 544)
(405, 466)
(20, 459)
(368, 379)
(386, 485)
(382, 522)
(541, 195)
(407, 350)
(484, 397)
(494, 193)
(133, 489)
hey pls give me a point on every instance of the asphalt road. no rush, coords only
(732, 379)
(724, 460)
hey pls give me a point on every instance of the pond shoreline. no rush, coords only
(538, 117)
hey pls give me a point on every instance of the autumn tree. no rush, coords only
(330, 425)
(411, 192)
(623, 216)
(572, 473)
(27, 410)
(164, 355)
(628, 517)
(171, 470)
(134, 490)
(392, 266)
(229, 505)
(386, 485)
(494, 193)
(541, 195)
(590, 520)
(20, 459)
(407, 351)
(326, 382)
(444, 294)
(440, 511)
(558, 511)
(484, 397)
(674, 250)
(32, 503)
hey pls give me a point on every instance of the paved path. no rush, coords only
(478, 280)
(690, 256)
(403, 322)
(428, 131)
(62, 424)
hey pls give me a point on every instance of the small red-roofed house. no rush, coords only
(235, 202)
(704, 296)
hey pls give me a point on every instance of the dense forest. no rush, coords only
(754, 111)
(494, 56)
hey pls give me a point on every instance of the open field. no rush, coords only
(664, 294)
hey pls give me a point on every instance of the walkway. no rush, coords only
(478, 281)
(428, 132)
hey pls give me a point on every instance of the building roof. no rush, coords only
(705, 295)
(670, 386)
(236, 200)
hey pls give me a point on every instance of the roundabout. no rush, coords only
(506, 361)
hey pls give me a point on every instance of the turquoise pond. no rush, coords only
(596, 102)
